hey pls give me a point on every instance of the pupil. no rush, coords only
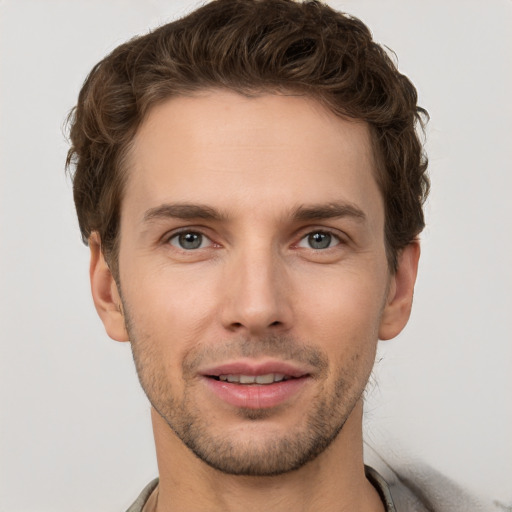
(190, 240)
(320, 240)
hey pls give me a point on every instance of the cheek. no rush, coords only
(170, 313)
(343, 317)
(344, 303)
(170, 296)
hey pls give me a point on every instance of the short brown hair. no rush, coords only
(251, 47)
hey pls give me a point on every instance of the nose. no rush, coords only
(257, 294)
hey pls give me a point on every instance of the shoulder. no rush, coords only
(416, 487)
(143, 497)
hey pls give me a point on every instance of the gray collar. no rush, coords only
(373, 476)
(381, 486)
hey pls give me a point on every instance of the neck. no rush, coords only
(334, 481)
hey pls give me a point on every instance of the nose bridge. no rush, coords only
(256, 288)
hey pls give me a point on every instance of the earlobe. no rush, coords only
(105, 293)
(401, 290)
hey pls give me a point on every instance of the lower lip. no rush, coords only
(256, 396)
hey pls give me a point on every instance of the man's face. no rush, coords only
(253, 274)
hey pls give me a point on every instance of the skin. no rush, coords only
(257, 289)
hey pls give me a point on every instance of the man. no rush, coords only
(250, 182)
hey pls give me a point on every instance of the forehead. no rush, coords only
(265, 152)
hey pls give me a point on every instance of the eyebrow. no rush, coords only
(186, 211)
(183, 211)
(329, 211)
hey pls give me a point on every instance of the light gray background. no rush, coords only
(75, 433)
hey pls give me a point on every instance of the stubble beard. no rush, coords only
(323, 420)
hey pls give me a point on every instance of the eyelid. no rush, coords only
(304, 239)
(166, 239)
(303, 233)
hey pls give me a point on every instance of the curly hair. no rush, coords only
(251, 47)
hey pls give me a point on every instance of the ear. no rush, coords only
(401, 290)
(105, 293)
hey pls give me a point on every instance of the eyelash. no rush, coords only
(332, 237)
(188, 231)
(184, 232)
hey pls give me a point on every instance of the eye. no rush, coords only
(319, 240)
(189, 240)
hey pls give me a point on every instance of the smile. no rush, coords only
(256, 385)
(268, 378)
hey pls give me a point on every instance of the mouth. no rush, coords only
(250, 385)
(268, 378)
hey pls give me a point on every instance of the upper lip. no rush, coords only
(255, 368)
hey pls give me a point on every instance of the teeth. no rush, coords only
(269, 378)
(265, 379)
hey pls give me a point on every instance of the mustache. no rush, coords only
(285, 348)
